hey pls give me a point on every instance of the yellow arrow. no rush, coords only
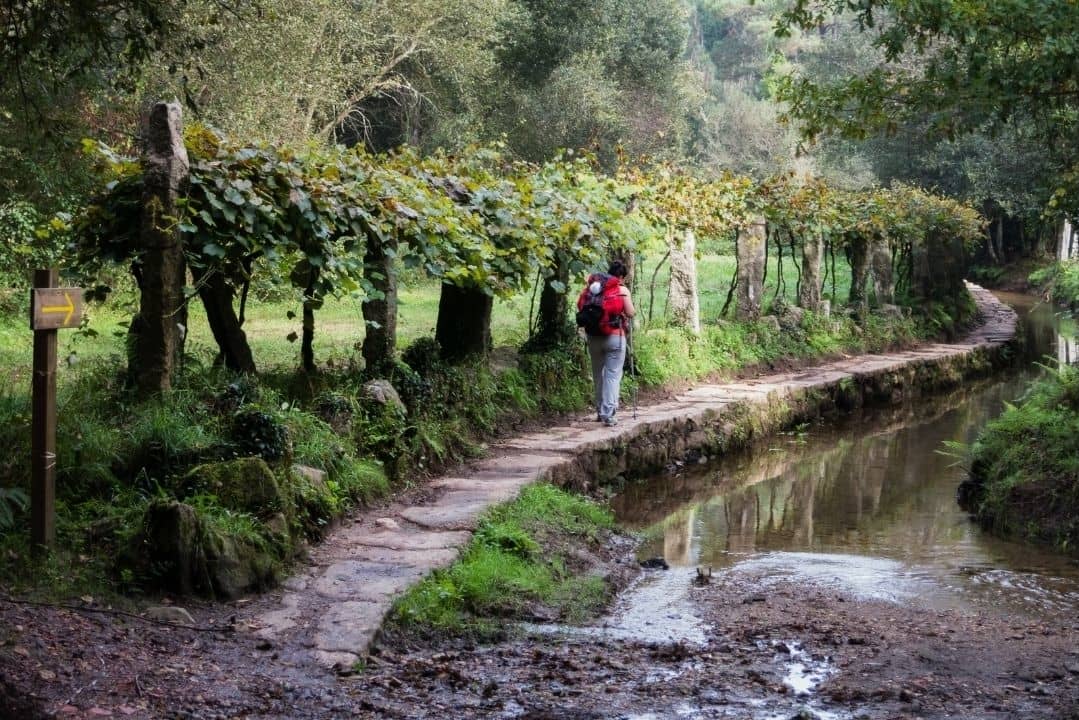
(69, 309)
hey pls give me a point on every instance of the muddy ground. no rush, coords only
(862, 659)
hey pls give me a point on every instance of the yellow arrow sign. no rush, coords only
(56, 308)
(67, 309)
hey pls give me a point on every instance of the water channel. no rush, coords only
(864, 503)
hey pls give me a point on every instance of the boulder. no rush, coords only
(383, 393)
(791, 317)
(244, 485)
(316, 503)
(312, 475)
(171, 540)
(892, 312)
(186, 553)
(235, 566)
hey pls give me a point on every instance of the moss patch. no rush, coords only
(245, 485)
(547, 555)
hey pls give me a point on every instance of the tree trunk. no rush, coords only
(464, 322)
(991, 248)
(998, 238)
(880, 264)
(380, 314)
(554, 328)
(217, 296)
(158, 333)
(858, 252)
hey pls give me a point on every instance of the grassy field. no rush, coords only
(339, 329)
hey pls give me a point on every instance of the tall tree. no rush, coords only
(296, 70)
(596, 74)
(955, 68)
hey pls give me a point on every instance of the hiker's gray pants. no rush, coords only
(608, 354)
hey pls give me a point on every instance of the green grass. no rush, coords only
(518, 559)
(339, 324)
(1026, 465)
(1060, 280)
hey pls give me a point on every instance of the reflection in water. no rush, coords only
(877, 486)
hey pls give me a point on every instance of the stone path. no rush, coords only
(334, 608)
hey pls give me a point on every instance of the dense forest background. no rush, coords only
(699, 83)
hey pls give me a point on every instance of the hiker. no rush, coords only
(604, 309)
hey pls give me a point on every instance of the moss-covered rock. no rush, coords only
(219, 553)
(244, 485)
(171, 539)
(317, 504)
(235, 565)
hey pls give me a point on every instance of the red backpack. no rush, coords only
(600, 313)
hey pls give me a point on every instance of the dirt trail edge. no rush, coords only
(334, 608)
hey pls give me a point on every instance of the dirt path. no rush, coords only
(790, 651)
(269, 657)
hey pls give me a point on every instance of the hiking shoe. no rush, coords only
(610, 422)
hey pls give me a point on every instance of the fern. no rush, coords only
(12, 500)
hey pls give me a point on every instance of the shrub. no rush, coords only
(257, 432)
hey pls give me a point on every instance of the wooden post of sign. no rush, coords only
(43, 443)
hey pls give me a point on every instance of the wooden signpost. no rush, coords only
(51, 309)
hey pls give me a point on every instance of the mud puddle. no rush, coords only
(655, 609)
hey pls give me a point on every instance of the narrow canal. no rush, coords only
(865, 504)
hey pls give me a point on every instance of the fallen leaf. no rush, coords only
(47, 675)
(68, 710)
(127, 710)
(88, 599)
(20, 650)
(99, 712)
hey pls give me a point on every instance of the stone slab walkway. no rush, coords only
(333, 609)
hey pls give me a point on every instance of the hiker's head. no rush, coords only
(618, 269)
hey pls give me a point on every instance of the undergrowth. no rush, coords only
(1059, 281)
(1025, 465)
(523, 562)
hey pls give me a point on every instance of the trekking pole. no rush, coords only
(633, 370)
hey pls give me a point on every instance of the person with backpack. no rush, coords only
(604, 309)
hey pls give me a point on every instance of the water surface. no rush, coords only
(866, 502)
